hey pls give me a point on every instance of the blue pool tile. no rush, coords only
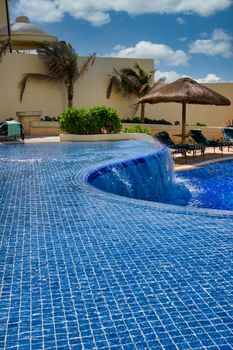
(80, 269)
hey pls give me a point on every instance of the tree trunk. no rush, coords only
(142, 112)
(70, 91)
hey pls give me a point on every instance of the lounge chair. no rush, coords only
(198, 137)
(11, 128)
(228, 134)
(184, 148)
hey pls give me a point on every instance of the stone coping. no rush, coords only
(201, 164)
(44, 124)
(28, 113)
(106, 137)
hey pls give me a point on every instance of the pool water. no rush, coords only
(82, 269)
(210, 187)
(149, 178)
(152, 178)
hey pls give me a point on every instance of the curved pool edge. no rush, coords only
(106, 137)
(201, 164)
(80, 179)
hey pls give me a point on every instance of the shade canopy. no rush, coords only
(185, 90)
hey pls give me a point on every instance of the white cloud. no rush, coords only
(210, 78)
(46, 11)
(219, 43)
(158, 52)
(97, 11)
(180, 20)
(172, 76)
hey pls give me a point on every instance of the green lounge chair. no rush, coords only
(184, 148)
(11, 128)
(228, 134)
(198, 137)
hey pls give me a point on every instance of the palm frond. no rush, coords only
(60, 59)
(31, 77)
(145, 88)
(89, 61)
(129, 72)
(134, 107)
(155, 85)
(109, 88)
(115, 82)
(139, 69)
(130, 84)
(54, 59)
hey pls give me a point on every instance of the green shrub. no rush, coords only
(177, 122)
(106, 118)
(75, 121)
(131, 120)
(90, 121)
(146, 121)
(47, 118)
(200, 124)
(138, 129)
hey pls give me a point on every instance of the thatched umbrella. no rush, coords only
(185, 90)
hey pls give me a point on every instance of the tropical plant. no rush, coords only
(95, 120)
(146, 121)
(132, 81)
(76, 121)
(106, 118)
(138, 129)
(61, 61)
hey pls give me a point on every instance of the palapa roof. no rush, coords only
(185, 90)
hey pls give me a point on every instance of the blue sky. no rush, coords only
(184, 37)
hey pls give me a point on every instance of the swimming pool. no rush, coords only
(152, 178)
(210, 186)
(83, 269)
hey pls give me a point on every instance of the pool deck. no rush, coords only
(81, 269)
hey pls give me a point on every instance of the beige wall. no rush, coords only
(42, 128)
(50, 98)
(3, 21)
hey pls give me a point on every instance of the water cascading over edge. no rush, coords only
(148, 178)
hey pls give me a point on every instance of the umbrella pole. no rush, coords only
(8, 25)
(183, 123)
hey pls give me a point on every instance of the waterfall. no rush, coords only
(148, 178)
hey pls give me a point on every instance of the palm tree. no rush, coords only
(132, 81)
(61, 61)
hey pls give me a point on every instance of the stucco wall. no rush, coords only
(3, 22)
(50, 98)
